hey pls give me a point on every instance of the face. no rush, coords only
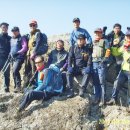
(117, 30)
(39, 62)
(98, 35)
(33, 27)
(127, 38)
(15, 33)
(76, 24)
(81, 42)
(59, 45)
(4, 29)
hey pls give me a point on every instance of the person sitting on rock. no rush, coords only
(48, 83)
(79, 63)
(124, 74)
(100, 55)
(59, 57)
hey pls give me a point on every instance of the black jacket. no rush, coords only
(59, 58)
(76, 57)
(110, 37)
(4, 45)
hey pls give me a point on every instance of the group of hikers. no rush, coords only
(86, 58)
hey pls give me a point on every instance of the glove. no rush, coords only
(70, 69)
(128, 60)
(87, 70)
(14, 55)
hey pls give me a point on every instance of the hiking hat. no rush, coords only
(15, 29)
(76, 19)
(81, 36)
(98, 30)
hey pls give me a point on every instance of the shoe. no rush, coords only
(101, 104)
(81, 92)
(6, 90)
(111, 102)
(17, 89)
(70, 94)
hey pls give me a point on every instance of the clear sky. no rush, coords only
(55, 16)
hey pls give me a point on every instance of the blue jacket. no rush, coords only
(52, 81)
(75, 33)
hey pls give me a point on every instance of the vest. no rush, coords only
(98, 50)
(15, 45)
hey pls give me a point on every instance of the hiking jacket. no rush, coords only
(76, 32)
(4, 45)
(59, 58)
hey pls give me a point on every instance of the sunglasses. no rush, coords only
(38, 62)
(32, 25)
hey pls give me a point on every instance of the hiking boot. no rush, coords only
(111, 102)
(70, 94)
(81, 92)
(17, 90)
(6, 90)
(101, 104)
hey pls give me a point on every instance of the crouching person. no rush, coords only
(48, 84)
(79, 63)
(100, 55)
(124, 74)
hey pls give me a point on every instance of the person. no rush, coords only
(115, 39)
(59, 57)
(18, 51)
(48, 83)
(124, 74)
(77, 31)
(4, 54)
(100, 56)
(79, 63)
(37, 45)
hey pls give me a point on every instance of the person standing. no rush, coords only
(18, 51)
(4, 53)
(77, 31)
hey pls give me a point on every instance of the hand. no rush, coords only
(61, 69)
(70, 69)
(32, 56)
(14, 55)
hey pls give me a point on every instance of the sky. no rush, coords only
(55, 16)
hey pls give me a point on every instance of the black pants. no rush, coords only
(70, 78)
(17, 64)
(35, 95)
(6, 76)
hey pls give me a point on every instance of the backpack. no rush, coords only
(43, 48)
(52, 81)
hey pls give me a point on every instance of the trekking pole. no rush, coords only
(6, 65)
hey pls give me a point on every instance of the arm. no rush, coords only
(72, 42)
(24, 46)
(89, 39)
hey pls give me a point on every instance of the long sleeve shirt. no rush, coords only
(75, 33)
